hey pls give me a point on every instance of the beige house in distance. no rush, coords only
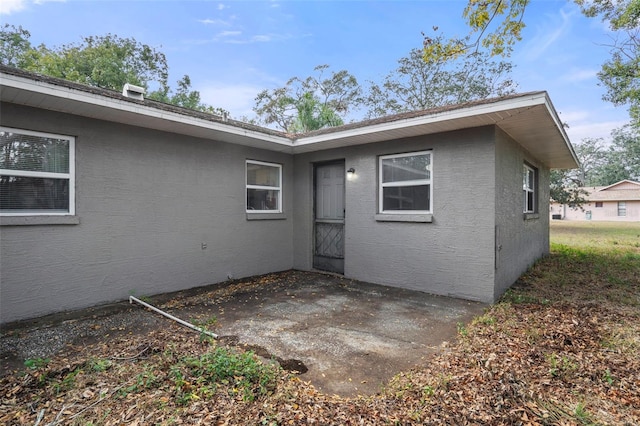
(617, 202)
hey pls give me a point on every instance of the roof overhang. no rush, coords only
(530, 119)
(43, 94)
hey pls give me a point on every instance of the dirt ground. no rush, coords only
(345, 337)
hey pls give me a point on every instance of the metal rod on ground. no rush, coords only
(178, 320)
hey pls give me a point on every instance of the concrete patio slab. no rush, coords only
(350, 337)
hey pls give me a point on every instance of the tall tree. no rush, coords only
(565, 189)
(102, 61)
(593, 156)
(622, 158)
(14, 45)
(106, 61)
(603, 163)
(312, 103)
(496, 25)
(417, 85)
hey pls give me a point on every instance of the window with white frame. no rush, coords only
(529, 188)
(264, 187)
(622, 208)
(406, 183)
(36, 173)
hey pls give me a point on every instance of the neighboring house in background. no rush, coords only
(102, 195)
(617, 202)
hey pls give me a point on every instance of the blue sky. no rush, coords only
(234, 49)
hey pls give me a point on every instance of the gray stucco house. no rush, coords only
(102, 195)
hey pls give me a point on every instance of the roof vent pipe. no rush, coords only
(134, 92)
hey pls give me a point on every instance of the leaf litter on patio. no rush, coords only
(555, 350)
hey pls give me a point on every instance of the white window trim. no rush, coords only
(418, 182)
(278, 188)
(622, 208)
(71, 176)
(528, 190)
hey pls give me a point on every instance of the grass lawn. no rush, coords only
(605, 236)
(561, 347)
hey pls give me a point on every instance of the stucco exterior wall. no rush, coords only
(451, 256)
(520, 238)
(146, 201)
(608, 212)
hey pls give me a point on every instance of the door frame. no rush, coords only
(337, 265)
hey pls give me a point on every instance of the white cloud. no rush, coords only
(591, 129)
(548, 34)
(229, 33)
(238, 99)
(7, 7)
(580, 75)
(222, 6)
(574, 116)
(259, 38)
(262, 38)
(214, 22)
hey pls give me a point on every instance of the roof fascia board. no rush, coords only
(284, 143)
(71, 94)
(500, 106)
(618, 183)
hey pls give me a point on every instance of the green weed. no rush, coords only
(561, 366)
(582, 415)
(198, 377)
(99, 365)
(462, 329)
(35, 363)
(607, 377)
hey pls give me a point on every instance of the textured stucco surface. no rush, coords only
(521, 240)
(452, 255)
(146, 201)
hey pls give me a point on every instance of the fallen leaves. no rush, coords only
(568, 361)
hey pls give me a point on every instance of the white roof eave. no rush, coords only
(46, 95)
(552, 145)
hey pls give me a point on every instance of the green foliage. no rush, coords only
(497, 37)
(198, 377)
(99, 365)
(418, 85)
(145, 380)
(184, 97)
(105, 61)
(496, 25)
(462, 329)
(561, 366)
(607, 377)
(312, 103)
(35, 363)
(205, 327)
(601, 164)
(565, 189)
(582, 415)
(14, 45)
(605, 164)
(67, 382)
